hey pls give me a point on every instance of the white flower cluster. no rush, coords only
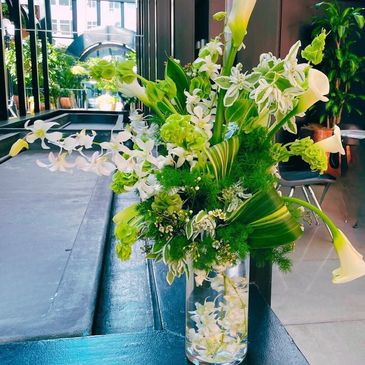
(114, 155)
(220, 324)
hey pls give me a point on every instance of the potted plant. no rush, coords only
(341, 62)
(66, 99)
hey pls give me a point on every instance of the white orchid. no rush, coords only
(352, 263)
(333, 144)
(56, 163)
(318, 88)
(208, 66)
(181, 154)
(192, 100)
(200, 276)
(98, 163)
(146, 187)
(39, 130)
(201, 121)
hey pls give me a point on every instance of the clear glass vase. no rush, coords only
(217, 315)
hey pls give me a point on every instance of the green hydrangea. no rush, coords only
(310, 153)
(167, 203)
(121, 180)
(126, 233)
(124, 252)
(314, 52)
(179, 131)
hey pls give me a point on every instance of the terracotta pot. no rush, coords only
(65, 102)
(322, 133)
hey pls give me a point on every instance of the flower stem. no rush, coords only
(328, 221)
(219, 118)
(280, 124)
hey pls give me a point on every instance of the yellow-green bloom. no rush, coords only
(19, 145)
(352, 263)
(238, 19)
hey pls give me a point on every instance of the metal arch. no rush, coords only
(101, 45)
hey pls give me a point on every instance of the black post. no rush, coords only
(33, 54)
(98, 13)
(48, 15)
(74, 19)
(44, 42)
(3, 75)
(262, 277)
(19, 58)
(122, 14)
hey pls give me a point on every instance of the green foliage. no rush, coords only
(342, 62)
(60, 64)
(276, 256)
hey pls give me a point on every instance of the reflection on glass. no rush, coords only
(104, 29)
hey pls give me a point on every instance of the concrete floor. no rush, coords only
(326, 321)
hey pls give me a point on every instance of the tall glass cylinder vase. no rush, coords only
(217, 315)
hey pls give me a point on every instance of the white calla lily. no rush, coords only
(352, 263)
(134, 89)
(318, 88)
(238, 19)
(332, 144)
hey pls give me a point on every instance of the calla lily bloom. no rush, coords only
(332, 144)
(17, 147)
(318, 87)
(352, 263)
(134, 89)
(238, 19)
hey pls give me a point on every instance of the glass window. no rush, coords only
(53, 2)
(65, 2)
(54, 25)
(91, 24)
(91, 3)
(65, 27)
(114, 5)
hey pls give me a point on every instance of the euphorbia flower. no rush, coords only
(352, 263)
(318, 87)
(238, 19)
(332, 144)
(39, 130)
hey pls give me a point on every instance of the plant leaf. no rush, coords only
(243, 112)
(222, 156)
(175, 72)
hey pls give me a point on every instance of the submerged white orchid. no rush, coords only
(318, 88)
(333, 144)
(39, 130)
(352, 263)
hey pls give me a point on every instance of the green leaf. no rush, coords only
(222, 155)
(262, 204)
(244, 113)
(175, 72)
(359, 20)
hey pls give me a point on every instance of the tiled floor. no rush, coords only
(326, 321)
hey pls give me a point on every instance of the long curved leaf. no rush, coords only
(222, 156)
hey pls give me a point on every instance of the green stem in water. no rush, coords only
(332, 227)
(219, 118)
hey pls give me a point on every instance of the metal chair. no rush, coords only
(304, 179)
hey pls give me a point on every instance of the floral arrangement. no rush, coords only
(204, 164)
